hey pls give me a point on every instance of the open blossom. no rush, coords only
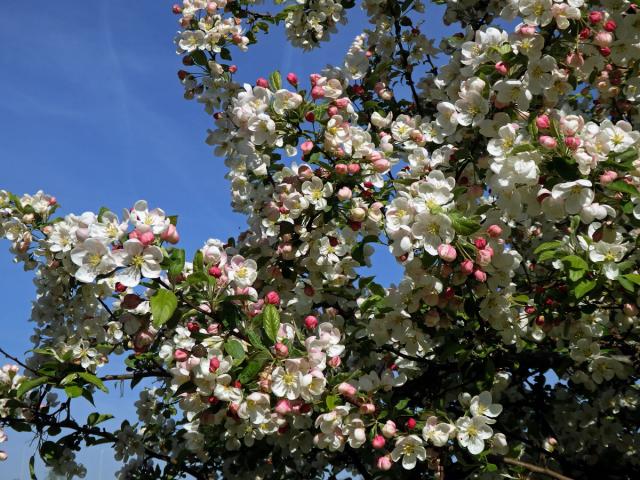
(409, 449)
(138, 261)
(241, 271)
(93, 258)
(472, 433)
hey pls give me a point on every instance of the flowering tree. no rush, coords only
(501, 171)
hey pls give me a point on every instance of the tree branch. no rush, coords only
(535, 468)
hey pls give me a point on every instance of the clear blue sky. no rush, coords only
(93, 113)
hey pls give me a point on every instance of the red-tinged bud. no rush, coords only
(170, 235)
(334, 362)
(292, 78)
(378, 442)
(180, 355)
(548, 142)
(595, 17)
(215, 272)
(272, 298)
(120, 288)
(630, 309)
(233, 68)
(604, 51)
(341, 169)
(411, 423)
(358, 90)
(367, 409)
(355, 226)
(317, 93)
(237, 384)
(306, 147)
(480, 276)
(368, 184)
(214, 364)
(610, 26)
(585, 33)
(480, 243)
(309, 291)
(311, 322)
(347, 389)
(262, 82)
(353, 168)
(182, 74)
(543, 122)
(540, 320)
(213, 400)
(283, 407)
(466, 267)
(281, 349)
(572, 142)
(502, 68)
(176, 9)
(187, 60)
(447, 252)
(384, 463)
(494, 231)
(193, 327)
(313, 78)
(529, 309)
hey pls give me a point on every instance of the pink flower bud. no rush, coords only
(180, 355)
(447, 252)
(604, 51)
(310, 117)
(283, 407)
(527, 30)
(480, 242)
(292, 78)
(381, 165)
(233, 68)
(272, 298)
(548, 142)
(313, 78)
(543, 122)
(494, 231)
(214, 329)
(170, 234)
(610, 26)
(262, 82)
(347, 389)
(480, 276)
(411, 423)
(502, 68)
(176, 9)
(334, 362)
(390, 429)
(575, 59)
(603, 39)
(215, 272)
(378, 442)
(384, 463)
(214, 364)
(595, 17)
(572, 142)
(310, 322)
(466, 267)
(342, 102)
(341, 169)
(281, 349)
(608, 176)
(353, 168)
(483, 257)
(306, 147)
(367, 408)
(332, 111)
(317, 93)
(344, 194)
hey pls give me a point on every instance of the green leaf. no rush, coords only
(234, 348)
(95, 418)
(402, 404)
(584, 287)
(275, 81)
(176, 262)
(92, 379)
(32, 468)
(624, 187)
(547, 255)
(271, 322)
(253, 367)
(523, 147)
(163, 305)
(463, 225)
(73, 391)
(547, 246)
(626, 284)
(198, 262)
(29, 385)
(633, 277)
(331, 401)
(575, 262)
(254, 338)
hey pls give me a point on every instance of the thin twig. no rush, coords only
(535, 468)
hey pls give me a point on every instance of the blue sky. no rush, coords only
(93, 113)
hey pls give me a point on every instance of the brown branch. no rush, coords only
(535, 468)
(23, 365)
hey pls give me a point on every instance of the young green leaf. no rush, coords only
(163, 305)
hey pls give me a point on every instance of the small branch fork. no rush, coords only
(535, 468)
